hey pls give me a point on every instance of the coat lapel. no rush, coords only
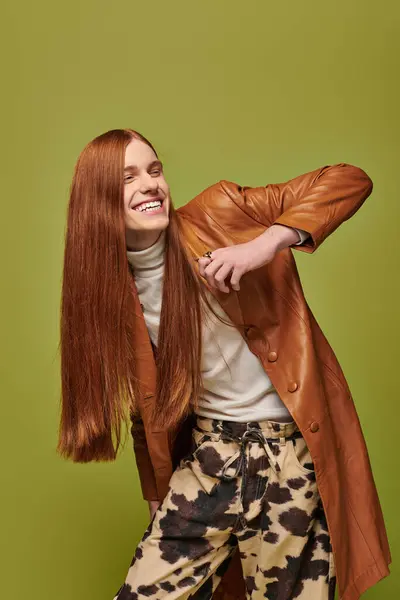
(145, 363)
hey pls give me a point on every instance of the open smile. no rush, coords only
(150, 207)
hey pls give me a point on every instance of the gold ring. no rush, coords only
(207, 254)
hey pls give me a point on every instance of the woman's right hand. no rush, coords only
(153, 505)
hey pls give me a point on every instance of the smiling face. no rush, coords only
(146, 196)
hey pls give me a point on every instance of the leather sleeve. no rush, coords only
(316, 202)
(143, 461)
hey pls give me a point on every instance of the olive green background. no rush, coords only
(255, 92)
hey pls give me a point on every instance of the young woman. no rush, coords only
(193, 324)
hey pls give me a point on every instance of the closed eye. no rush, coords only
(128, 178)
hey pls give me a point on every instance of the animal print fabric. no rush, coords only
(246, 487)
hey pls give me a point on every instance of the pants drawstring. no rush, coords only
(253, 435)
(249, 435)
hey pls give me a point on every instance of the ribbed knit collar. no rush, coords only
(145, 262)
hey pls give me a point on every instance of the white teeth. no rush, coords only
(149, 206)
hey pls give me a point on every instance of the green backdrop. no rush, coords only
(255, 92)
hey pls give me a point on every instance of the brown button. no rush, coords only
(292, 387)
(314, 427)
(272, 356)
(141, 306)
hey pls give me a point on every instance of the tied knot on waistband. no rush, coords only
(250, 435)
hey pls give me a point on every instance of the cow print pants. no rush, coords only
(246, 487)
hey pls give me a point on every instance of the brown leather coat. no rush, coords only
(294, 353)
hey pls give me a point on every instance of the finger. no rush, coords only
(210, 270)
(218, 273)
(236, 276)
(203, 262)
(222, 275)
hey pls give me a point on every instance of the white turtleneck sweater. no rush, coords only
(243, 392)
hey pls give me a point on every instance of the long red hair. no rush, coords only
(99, 387)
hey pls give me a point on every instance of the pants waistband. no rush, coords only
(269, 429)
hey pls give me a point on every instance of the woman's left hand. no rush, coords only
(235, 261)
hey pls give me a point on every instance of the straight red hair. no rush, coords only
(99, 387)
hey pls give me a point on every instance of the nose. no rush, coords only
(148, 183)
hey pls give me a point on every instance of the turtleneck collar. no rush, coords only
(145, 262)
